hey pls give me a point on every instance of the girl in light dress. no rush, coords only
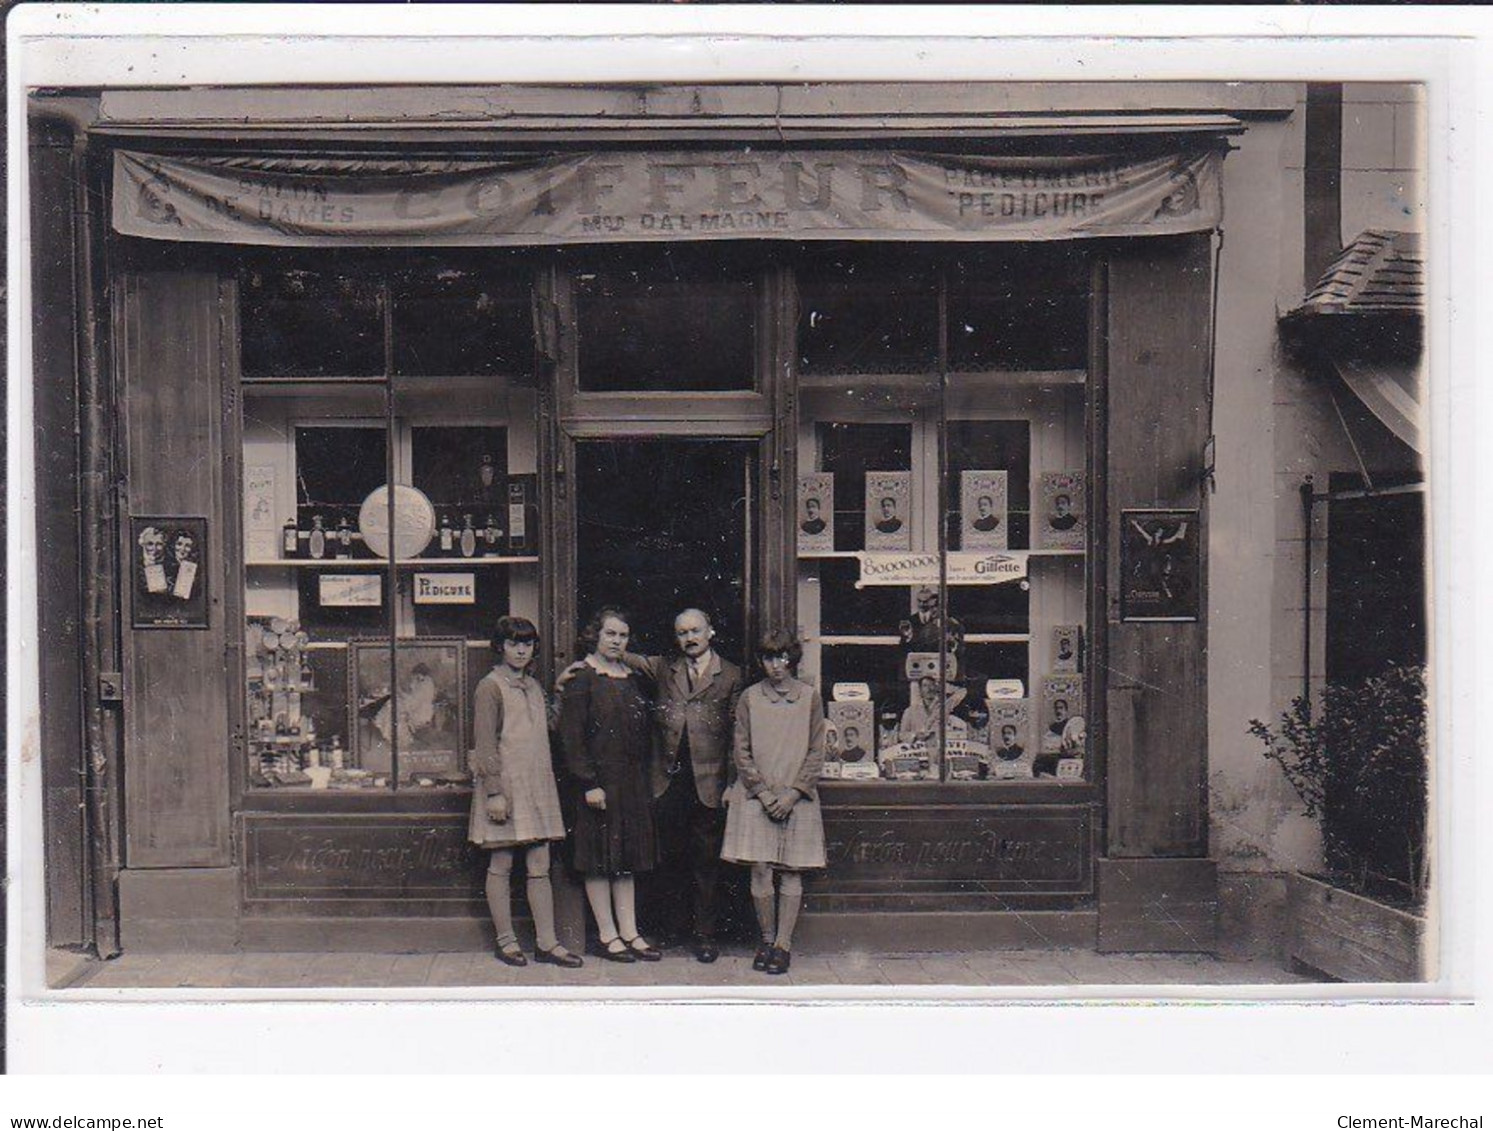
(773, 821)
(515, 804)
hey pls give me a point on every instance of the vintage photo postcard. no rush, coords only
(816, 512)
(430, 584)
(1059, 517)
(889, 519)
(982, 512)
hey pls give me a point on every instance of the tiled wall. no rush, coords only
(1383, 166)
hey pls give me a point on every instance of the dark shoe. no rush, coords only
(614, 951)
(509, 955)
(706, 951)
(779, 961)
(641, 949)
(558, 956)
(760, 959)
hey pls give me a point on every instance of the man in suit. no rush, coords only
(813, 522)
(889, 523)
(694, 713)
(854, 751)
(987, 520)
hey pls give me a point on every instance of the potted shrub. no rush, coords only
(1357, 757)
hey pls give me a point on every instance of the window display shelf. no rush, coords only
(374, 563)
(1022, 378)
(896, 641)
(1030, 791)
(810, 555)
(1029, 378)
(300, 388)
(341, 645)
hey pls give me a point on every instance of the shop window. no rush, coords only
(1019, 309)
(300, 322)
(862, 313)
(457, 322)
(982, 679)
(976, 446)
(368, 611)
(672, 319)
(848, 611)
(849, 451)
(336, 469)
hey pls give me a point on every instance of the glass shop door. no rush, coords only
(663, 525)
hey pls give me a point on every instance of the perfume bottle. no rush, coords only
(290, 540)
(344, 538)
(448, 536)
(318, 537)
(490, 534)
(468, 537)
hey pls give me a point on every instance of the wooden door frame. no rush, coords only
(766, 416)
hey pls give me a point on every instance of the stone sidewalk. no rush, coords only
(342, 971)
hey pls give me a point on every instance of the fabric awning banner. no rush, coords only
(1390, 392)
(686, 195)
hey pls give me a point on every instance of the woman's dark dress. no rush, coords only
(606, 732)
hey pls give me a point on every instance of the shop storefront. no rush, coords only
(941, 401)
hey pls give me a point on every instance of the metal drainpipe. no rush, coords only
(95, 500)
(1308, 497)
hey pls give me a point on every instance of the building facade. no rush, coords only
(980, 387)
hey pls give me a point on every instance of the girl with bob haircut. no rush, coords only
(515, 804)
(773, 821)
(606, 729)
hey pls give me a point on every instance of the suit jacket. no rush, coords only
(706, 715)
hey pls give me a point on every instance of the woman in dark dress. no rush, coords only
(606, 730)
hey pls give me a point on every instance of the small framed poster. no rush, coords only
(888, 510)
(349, 590)
(1160, 565)
(982, 510)
(816, 512)
(168, 572)
(261, 527)
(413, 698)
(1060, 516)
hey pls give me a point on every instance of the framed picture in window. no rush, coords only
(168, 572)
(409, 703)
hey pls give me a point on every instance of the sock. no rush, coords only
(541, 896)
(790, 901)
(499, 897)
(625, 898)
(764, 901)
(599, 896)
